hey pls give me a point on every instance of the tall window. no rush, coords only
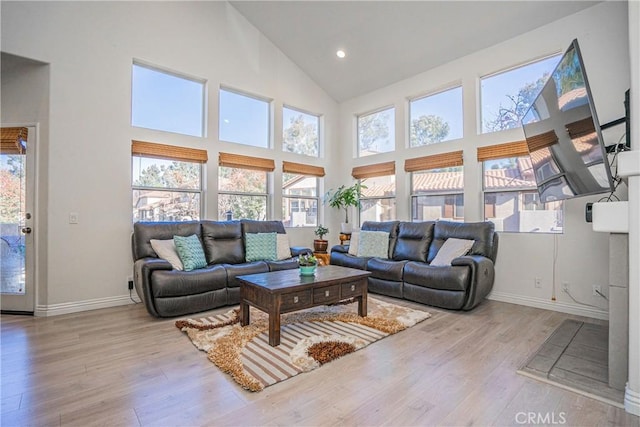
(244, 119)
(300, 132)
(167, 101)
(437, 187)
(436, 118)
(378, 201)
(506, 96)
(376, 132)
(300, 194)
(511, 198)
(242, 187)
(166, 182)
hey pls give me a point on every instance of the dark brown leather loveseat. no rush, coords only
(407, 273)
(168, 292)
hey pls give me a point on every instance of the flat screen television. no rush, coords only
(564, 136)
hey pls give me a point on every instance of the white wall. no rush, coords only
(90, 47)
(582, 255)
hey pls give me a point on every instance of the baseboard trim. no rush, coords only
(78, 306)
(562, 307)
(631, 401)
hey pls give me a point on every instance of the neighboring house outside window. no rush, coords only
(300, 194)
(244, 119)
(511, 198)
(167, 101)
(242, 187)
(378, 201)
(166, 182)
(436, 118)
(437, 187)
(376, 132)
(300, 132)
(506, 96)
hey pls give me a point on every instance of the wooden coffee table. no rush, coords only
(279, 292)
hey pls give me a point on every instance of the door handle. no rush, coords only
(26, 230)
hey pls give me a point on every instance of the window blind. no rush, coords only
(436, 161)
(544, 140)
(170, 152)
(246, 162)
(11, 140)
(503, 151)
(302, 169)
(370, 171)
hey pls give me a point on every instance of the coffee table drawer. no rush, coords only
(326, 294)
(352, 289)
(293, 300)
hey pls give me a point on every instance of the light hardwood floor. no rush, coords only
(119, 366)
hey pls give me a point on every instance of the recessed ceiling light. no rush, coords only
(341, 54)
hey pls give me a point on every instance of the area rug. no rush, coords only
(308, 339)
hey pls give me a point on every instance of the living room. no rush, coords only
(71, 76)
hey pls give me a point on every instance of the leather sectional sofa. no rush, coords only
(406, 272)
(168, 292)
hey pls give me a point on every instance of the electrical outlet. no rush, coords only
(595, 289)
(565, 286)
(130, 282)
(74, 218)
(537, 282)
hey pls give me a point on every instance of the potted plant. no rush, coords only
(308, 264)
(343, 198)
(320, 245)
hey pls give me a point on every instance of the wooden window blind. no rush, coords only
(246, 162)
(503, 151)
(302, 169)
(544, 140)
(581, 128)
(11, 140)
(170, 152)
(370, 171)
(444, 160)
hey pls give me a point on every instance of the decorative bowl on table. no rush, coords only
(308, 270)
(308, 264)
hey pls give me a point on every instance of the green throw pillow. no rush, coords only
(261, 247)
(190, 252)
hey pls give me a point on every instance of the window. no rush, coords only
(511, 198)
(300, 194)
(166, 182)
(242, 187)
(376, 132)
(166, 101)
(437, 187)
(436, 118)
(300, 132)
(244, 119)
(378, 201)
(507, 96)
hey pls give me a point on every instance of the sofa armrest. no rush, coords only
(142, 270)
(340, 248)
(299, 250)
(482, 277)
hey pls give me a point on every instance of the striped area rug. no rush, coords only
(308, 339)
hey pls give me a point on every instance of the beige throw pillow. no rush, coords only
(452, 248)
(283, 248)
(354, 242)
(166, 249)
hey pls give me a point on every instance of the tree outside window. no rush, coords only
(242, 194)
(376, 132)
(300, 132)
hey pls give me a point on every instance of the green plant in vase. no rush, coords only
(308, 264)
(343, 198)
(320, 245)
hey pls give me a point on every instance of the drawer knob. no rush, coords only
(353, 288)
(295, 300)
(326, 293)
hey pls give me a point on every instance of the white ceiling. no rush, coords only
(387, 41)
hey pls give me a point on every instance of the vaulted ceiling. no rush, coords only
(387, 41)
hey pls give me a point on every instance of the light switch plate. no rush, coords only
(73, 217)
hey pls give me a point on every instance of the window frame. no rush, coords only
(200, 191)
(392, 135)
(247, 194)
(176, 74)
(413, 196)
(290, 198)
(319, 126)
(411, 100)
(377, 198)
(269, 104)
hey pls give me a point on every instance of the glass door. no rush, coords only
(16, 220)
